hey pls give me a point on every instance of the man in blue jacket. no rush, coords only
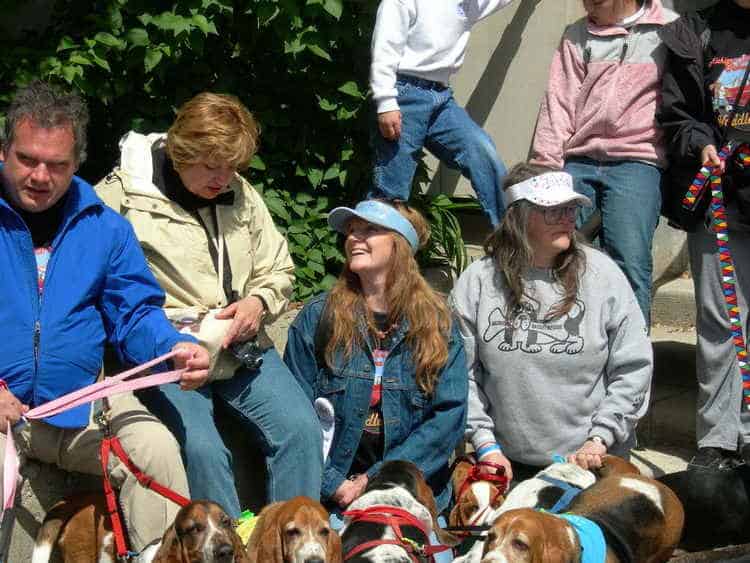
(73, 278)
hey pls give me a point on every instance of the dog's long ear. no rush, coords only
(240, 553)
(265, 545)
(458, 477)
(334, 549)
(170, 550)
(427, 499)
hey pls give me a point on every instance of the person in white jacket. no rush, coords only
(416, 46)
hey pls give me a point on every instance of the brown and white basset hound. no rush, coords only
(79, 530)
(478, 490)
(640, 521)
(294, 531)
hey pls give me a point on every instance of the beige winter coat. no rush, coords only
(177, 246)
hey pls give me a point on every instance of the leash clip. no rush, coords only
(102, 420)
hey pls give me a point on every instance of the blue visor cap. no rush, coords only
(378, 213)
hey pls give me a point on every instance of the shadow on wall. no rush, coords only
(488, 87)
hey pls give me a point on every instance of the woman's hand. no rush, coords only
(11, 409)
(196, 359)
(350, 490)
(589, 455)
(389, 123)
(710, 157)
(499, 459)
(248, 314)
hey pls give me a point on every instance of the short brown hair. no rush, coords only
(49, 108)
(213, 128)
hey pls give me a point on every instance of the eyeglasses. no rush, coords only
(556, 215)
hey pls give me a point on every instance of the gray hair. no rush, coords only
(48, 107)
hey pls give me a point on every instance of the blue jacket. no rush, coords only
(424, 430)
(97, 289)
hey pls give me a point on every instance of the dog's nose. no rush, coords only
(314, 559)
(224, 552)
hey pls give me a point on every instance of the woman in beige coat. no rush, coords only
(210, 240)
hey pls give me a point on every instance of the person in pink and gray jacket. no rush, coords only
(597, 120)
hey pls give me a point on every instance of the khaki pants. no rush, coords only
(148, 443)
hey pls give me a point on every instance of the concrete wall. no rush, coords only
(505, 74)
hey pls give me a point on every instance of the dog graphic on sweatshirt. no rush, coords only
(523, 329)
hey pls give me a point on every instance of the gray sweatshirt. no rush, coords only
(541, 388)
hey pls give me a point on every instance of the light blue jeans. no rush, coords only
(431, 118)
(270, 405)
(629, 197)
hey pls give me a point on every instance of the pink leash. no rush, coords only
(108, 387)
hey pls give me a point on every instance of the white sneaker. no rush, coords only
(324, 410)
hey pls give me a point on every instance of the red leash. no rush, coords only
(111, 444)
(394, 518)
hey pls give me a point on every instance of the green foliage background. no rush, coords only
(300, 65)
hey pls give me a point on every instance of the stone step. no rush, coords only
(674, 304)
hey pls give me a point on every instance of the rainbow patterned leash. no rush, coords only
(711, 177)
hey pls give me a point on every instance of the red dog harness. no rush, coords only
(394, 518)
(111, 444)
(477, 474)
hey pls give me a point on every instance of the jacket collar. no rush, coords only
(654, 15)
(136, 160)
(81, 196)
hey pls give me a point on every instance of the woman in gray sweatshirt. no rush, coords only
(557, 348)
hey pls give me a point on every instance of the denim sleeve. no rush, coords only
(299, 355)
(431, 443)
(332, 479)
(131, 303)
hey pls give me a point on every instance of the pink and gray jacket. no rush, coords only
(603, 92)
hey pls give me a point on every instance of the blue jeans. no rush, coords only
(270, 406)
(431, 118)
(628, 195)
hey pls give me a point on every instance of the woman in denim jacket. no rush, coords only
(386, 356)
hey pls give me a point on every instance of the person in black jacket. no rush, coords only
(708, 53)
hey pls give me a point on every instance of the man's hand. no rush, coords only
(710, 157)
(196, 359)
(350, 490)
(589, 455)
(499, 459)
(389, 124)
(248, 314)
(11, 409)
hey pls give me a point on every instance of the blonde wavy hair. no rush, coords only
(213, 129)
(409, 298)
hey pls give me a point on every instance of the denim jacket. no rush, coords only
(421, 429)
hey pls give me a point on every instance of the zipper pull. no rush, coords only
(624, 51)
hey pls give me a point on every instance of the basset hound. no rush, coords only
(393, 518)
(79, 530)
(480, 497)
(478, 490)
(619, 519)
(294, 531)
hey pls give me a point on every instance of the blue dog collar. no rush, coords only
(570, 492)
(378, 213)
(590, 536)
